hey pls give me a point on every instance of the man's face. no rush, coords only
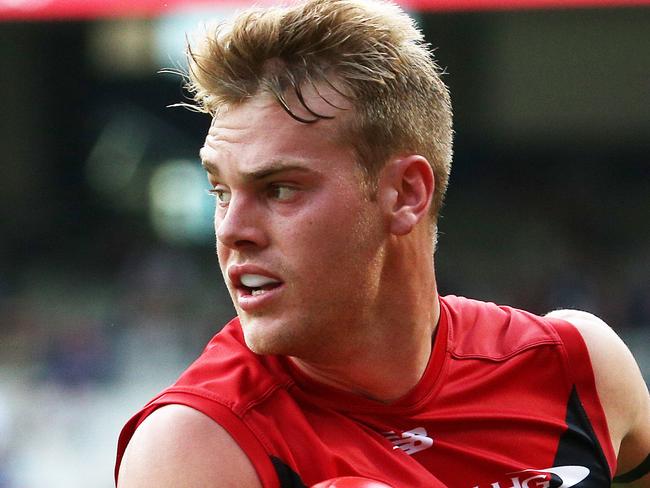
(298, 239)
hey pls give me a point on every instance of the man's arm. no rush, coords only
(621, 389)
(179, 446)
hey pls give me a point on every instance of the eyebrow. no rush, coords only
(267, 169)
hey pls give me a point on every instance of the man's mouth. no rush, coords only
(254, 284)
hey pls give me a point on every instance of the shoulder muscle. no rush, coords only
(620, 386)
(179, 446)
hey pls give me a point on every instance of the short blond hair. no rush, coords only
(372, 49)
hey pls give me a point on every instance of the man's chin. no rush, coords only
(261, 338)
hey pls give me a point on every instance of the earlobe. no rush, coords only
(406, 189)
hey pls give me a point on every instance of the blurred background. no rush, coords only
(109, 285)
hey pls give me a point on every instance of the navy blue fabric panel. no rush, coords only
(287, 476)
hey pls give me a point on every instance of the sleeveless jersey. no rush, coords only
(508, 400)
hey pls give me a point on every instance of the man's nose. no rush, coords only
(241, 224)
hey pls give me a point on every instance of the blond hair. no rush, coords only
(369, 51)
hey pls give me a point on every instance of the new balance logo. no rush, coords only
(410, 441)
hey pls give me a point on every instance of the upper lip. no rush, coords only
(236, 271)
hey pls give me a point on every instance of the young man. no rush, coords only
(329, 155)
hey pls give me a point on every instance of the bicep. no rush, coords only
(635, 448)
(179, 446)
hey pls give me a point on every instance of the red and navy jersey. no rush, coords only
(508, 400)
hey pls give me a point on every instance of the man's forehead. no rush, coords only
(260, 129)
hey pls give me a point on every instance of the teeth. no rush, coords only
(255, 280)
(257, 292)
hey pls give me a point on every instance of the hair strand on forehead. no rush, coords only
(302, 101)
(279, 96)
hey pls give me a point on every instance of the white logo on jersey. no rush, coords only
(541, 478)
(410, 441)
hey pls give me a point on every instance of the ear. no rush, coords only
(405, 191)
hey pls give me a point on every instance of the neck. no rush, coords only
(388, 353)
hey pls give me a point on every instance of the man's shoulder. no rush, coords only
(214, 396)
(175, 446)
(491, 331)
